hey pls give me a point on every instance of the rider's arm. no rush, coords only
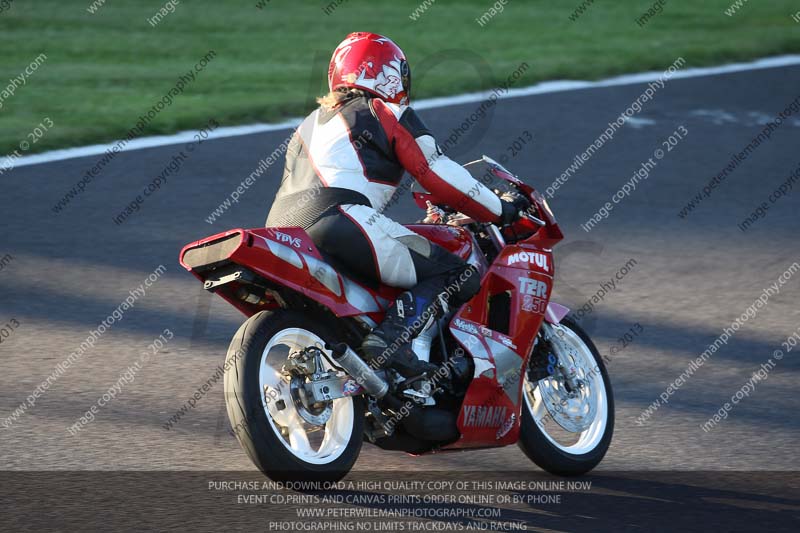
(419, 154)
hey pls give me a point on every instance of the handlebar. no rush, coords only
(531, 218)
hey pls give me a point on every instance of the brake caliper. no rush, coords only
(303, 362)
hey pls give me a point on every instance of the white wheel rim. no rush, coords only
(332, 438)
(587, 440)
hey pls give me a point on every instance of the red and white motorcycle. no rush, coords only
(515, 369)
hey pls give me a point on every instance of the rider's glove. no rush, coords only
(512, 203)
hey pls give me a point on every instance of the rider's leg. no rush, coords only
(378, 248)
(445, 282)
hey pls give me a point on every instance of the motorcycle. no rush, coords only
(513, 367)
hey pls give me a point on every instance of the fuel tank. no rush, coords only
(454, 239)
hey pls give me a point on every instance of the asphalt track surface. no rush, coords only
(692, 278)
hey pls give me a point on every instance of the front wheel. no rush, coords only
(568, 417)
(286, 438)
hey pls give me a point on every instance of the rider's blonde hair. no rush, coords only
(333, 98)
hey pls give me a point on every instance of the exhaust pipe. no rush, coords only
(359, 370)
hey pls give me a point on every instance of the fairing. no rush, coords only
(490, 412)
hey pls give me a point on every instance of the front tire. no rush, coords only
(581, 445)
(263, 412)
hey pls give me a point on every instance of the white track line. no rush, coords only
(539, 88)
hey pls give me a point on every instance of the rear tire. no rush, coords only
(589, 446)
(272, 432)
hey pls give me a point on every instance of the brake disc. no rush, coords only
(573, 410)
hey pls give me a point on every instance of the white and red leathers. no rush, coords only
(347, 163)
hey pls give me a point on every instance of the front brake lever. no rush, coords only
(531, 218)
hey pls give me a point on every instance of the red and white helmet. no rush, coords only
(373, 63)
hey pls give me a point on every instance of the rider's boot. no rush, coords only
(389, 344)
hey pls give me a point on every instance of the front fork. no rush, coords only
(548, 361)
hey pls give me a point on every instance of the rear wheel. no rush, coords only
(286, 438)
(568, 417)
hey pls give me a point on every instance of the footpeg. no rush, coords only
(419, 397)
(420, 390)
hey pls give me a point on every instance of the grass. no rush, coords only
(103, 70)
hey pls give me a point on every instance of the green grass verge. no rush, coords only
(104, 70)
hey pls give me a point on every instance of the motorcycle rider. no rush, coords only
(348, 156)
